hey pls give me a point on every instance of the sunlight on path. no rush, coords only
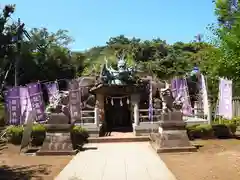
(118, 161)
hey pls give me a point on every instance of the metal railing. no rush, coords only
(197, 116)
(87, 117)
(144, 115)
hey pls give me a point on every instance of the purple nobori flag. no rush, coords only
(150, 108)
(52, 89)
(179, 90)
(13, 105)
(225, 98)
(35, 93)
(25, 102)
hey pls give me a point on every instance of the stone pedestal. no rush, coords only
(172, 135)
(145, 128)
(58, 137)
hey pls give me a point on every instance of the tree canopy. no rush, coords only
(45, 55)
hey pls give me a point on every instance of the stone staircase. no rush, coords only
(119, 137)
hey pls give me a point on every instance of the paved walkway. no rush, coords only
(117, 161)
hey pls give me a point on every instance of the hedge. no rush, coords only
(234, 120)
(226, 129)
(14, 134)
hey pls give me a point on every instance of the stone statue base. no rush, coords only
(58, 137)
(172, 135)
(58, 141)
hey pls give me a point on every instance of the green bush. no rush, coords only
(205, 130)
(80, 130)
(219, 129)
(236, 120)
(79, 136)
(191, 131)
(225, 128)
(14, 134)
(38, 135)
(200, 131)
(232, 127)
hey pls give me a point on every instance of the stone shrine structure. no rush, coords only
(172, 135)
(58, 138)
(118, 95)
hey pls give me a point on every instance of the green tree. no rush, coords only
(224, 59)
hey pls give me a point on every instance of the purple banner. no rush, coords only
(52, 89)
(150, 108)
(36, 99)
(179, 90)
(13, 105)
(225, 99)
(25, 103)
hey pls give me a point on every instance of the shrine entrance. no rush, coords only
(116, 106)
(118, 113)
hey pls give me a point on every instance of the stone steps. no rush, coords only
(112, 139)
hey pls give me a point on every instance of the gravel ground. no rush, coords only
(14, 166)
(216, 160)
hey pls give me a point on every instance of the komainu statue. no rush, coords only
(169, 103)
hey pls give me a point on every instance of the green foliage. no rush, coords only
(220, 58)
(80, 130)
(224, 130)
(40, 51)
(202, 131)
(15, 133)
(236, 120)
(154, 56)
(79, 136)
(219, 129)
(38, 135)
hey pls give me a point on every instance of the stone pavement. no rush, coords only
(116, 161)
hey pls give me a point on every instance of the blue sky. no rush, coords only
(93, 22)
